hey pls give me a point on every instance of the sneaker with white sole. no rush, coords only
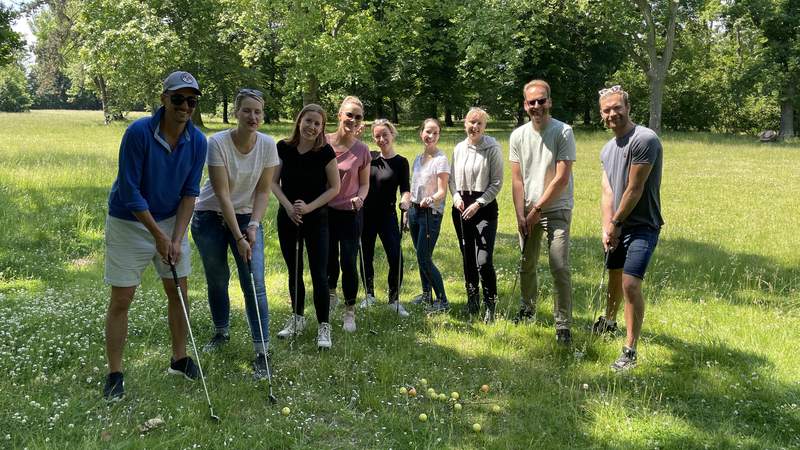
(626, 361)
(333, 301)
(216, 342)
(396, 307)
(184, 366)
(261, 367)
(349, 321)
(295, 325)
(422, 299)
(367, 302)
(324, 335)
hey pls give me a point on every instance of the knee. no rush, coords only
(631, 288)
(120, 303)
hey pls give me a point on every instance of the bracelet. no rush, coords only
(241, 237)
(253, 223)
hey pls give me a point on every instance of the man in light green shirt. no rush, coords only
(541, 153)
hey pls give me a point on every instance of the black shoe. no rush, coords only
(525, 314)
(216, 342)
(184, 366)
(564, 337)
(603, 326)
(114, 389)
(473, 304)
(626, 361)
(488, 316)
(261, 367)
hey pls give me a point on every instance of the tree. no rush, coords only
(10, 41)
(14, 96)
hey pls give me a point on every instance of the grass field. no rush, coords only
(719, 358)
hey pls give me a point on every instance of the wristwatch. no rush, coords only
(616, 223)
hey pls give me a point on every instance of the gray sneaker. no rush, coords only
(324, 336)
(295, 325)
(397, 307)
(438, 306)
(424, 298)
(216, 342)
(367, 302)
(261, 366)
(626, 361)
(349, 321)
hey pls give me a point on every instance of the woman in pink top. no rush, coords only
(344, 211)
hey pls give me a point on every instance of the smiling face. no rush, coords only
(537, 103)
(250, 114)
(311, 125)
(383, 137)
(350, 117)
(182, 112)
(475, 126)
(430, 134)
(615, 112)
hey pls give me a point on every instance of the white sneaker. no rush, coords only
(349, 323)
(294, 326)
(324, 335)
(396, 307)
(367, 302)
(334, 300)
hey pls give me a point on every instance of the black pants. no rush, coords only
(382, 221)
(476, 238)
(344, 230)
(314, 233)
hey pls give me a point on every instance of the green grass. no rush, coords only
(718, 367)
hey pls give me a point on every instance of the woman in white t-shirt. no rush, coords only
(228, 215)
(430, 173)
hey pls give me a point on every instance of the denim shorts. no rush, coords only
(633, 253)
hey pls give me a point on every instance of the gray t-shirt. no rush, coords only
(639, 146)
(537, 154)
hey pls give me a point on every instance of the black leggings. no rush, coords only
(382, 222)
(477, 247)
(344, 228)
(314, 233)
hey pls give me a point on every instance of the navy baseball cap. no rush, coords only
(179, 80)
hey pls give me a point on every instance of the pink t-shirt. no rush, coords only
(349, 163)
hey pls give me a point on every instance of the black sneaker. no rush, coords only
(216, 342)
(473, 305)
(184, 366)
(626, 361)
(438, 306)
(488, 316)
(525, 314)
(114, 389)
(564, 337)
(604, 326)
(261, 367)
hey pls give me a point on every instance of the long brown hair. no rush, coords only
(320, 141)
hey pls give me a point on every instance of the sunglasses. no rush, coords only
(178, 99)
(253, 92)
(356, 117)
(538, 101)
(608, 91)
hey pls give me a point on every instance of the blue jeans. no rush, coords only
(213, 239)
(425, 224)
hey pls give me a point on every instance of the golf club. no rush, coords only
(598, 301)
(296, 281)
(399, 265)
(363, 276)
(272, 398)
(518, 274)
(191, 335)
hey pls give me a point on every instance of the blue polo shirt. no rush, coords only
(151, 175)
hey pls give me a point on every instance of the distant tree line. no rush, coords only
(729, 66)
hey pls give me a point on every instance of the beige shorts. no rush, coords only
(130, 248)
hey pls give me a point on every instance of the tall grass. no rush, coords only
(718, 365)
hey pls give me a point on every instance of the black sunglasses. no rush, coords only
(356, 117)
(178, 99)
(253, 92)
(538, 101)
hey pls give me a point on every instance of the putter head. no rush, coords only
(213, 416)
(373, 332)
(273, 400)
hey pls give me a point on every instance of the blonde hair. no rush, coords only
(351, 99)
(247, 93)
(385, 123)
(320, 141)
(476, 111)
(537, 83)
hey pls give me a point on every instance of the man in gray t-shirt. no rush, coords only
(631, 210)
(541, 153)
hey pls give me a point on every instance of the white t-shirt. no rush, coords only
(244, 170)
(425, 178)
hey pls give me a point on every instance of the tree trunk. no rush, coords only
(787, 112)
(379, 107)
(225, 107)
(395, 112)
(656, 99)
(520, 116)
(311, 94)
(587, 116)
(100, 83)
(448, 116)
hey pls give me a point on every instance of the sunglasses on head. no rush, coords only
(178, 99)
(356, 117)
(538, 101)
(253, 92)
(608, 91)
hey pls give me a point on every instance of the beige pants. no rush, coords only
(555, 225)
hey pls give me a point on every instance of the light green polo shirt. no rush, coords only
(537, 154)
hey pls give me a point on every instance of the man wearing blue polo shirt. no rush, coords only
(151, 202)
